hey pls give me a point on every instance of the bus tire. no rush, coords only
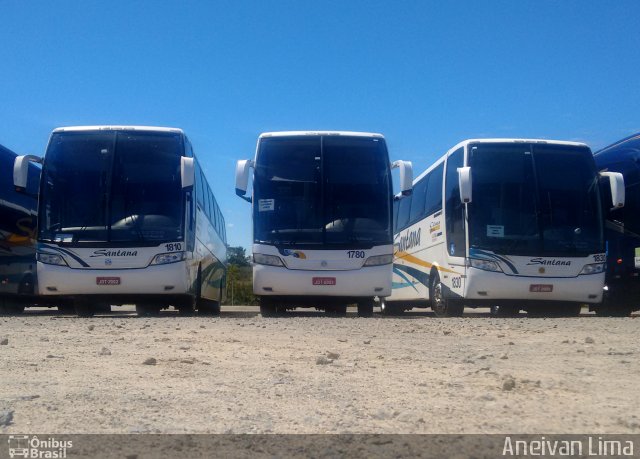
(389, 308)
(441, 306)
(365, 308)
(26, 286)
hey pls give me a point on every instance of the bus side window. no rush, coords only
(205, 192)
(214, 213)
(396, 205)
(434, 191)
(403, 212)
(418, 198)
(219, 224)
(200, 186)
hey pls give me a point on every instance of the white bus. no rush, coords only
(126, 217)
(503, 223)
(322, 219)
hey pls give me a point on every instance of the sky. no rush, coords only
(426, 74)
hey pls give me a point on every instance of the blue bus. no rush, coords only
(622, 291)
(17, 237)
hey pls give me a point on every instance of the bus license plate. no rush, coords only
(324, 281)
(107, 280)
(541, 288)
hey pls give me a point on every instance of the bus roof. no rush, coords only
(507, 140)
(618, 143)
(310, 133)
(497, 140)
(117, 128)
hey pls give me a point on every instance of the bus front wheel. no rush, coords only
(441, 306)
(389, 309)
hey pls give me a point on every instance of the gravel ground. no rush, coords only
(306, 373)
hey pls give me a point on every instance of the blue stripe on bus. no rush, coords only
(420, 276)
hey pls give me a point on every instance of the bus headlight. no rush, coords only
(51, 259)
(270, 260)
(485, 265)
(594, 268)
(166, 258)
(379, 260)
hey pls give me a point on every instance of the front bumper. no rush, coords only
(487, 285)
(169, 279)
(364, 282)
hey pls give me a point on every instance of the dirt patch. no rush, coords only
(307, 373)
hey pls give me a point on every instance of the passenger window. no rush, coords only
(434, 191)
(418, 198)
(396, 205)
(206, 204)
(403, 212)
(200, 187)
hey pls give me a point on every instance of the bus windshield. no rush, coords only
(112, 186)
(322, 190)
(539, 199)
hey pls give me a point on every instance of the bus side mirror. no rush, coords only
(243, 167)
(616, 181)
(406, 178)
(464, 181)
(21, 170)
(187, 171)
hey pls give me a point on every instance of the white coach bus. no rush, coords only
(503, 223)
(126, 217)
(322, 219)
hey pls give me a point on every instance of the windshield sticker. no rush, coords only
(265, 205)
(495, 231)
(637, 257)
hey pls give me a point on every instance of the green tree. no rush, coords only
(237, 256)
(239, 278)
